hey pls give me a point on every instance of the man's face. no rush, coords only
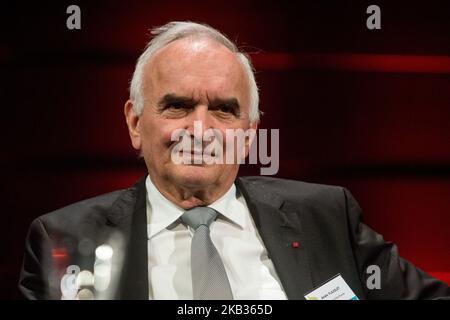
(190, 80)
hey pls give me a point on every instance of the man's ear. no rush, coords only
(249, 139)
(253, 126)
(132, 120)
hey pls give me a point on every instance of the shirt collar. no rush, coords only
(161, 212)
(228, 206)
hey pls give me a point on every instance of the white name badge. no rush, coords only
(334, 289)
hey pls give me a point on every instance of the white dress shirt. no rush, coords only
(249, 270)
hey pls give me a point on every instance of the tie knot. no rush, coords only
(198, 216)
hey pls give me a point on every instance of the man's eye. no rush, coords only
(226, 109)
(175, 106)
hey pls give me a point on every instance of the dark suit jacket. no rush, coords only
(324, 220)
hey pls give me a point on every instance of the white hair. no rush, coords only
(178, 30)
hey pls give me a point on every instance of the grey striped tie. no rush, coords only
(209, 279)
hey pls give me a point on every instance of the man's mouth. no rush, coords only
(198, 152)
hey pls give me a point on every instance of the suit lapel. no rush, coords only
(128, 214)
(280, 230)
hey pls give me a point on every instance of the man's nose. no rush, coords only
(199, 117)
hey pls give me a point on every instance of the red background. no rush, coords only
(368, 110)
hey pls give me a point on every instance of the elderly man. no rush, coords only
(193, 230)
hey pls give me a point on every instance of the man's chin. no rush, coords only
(196, 175)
